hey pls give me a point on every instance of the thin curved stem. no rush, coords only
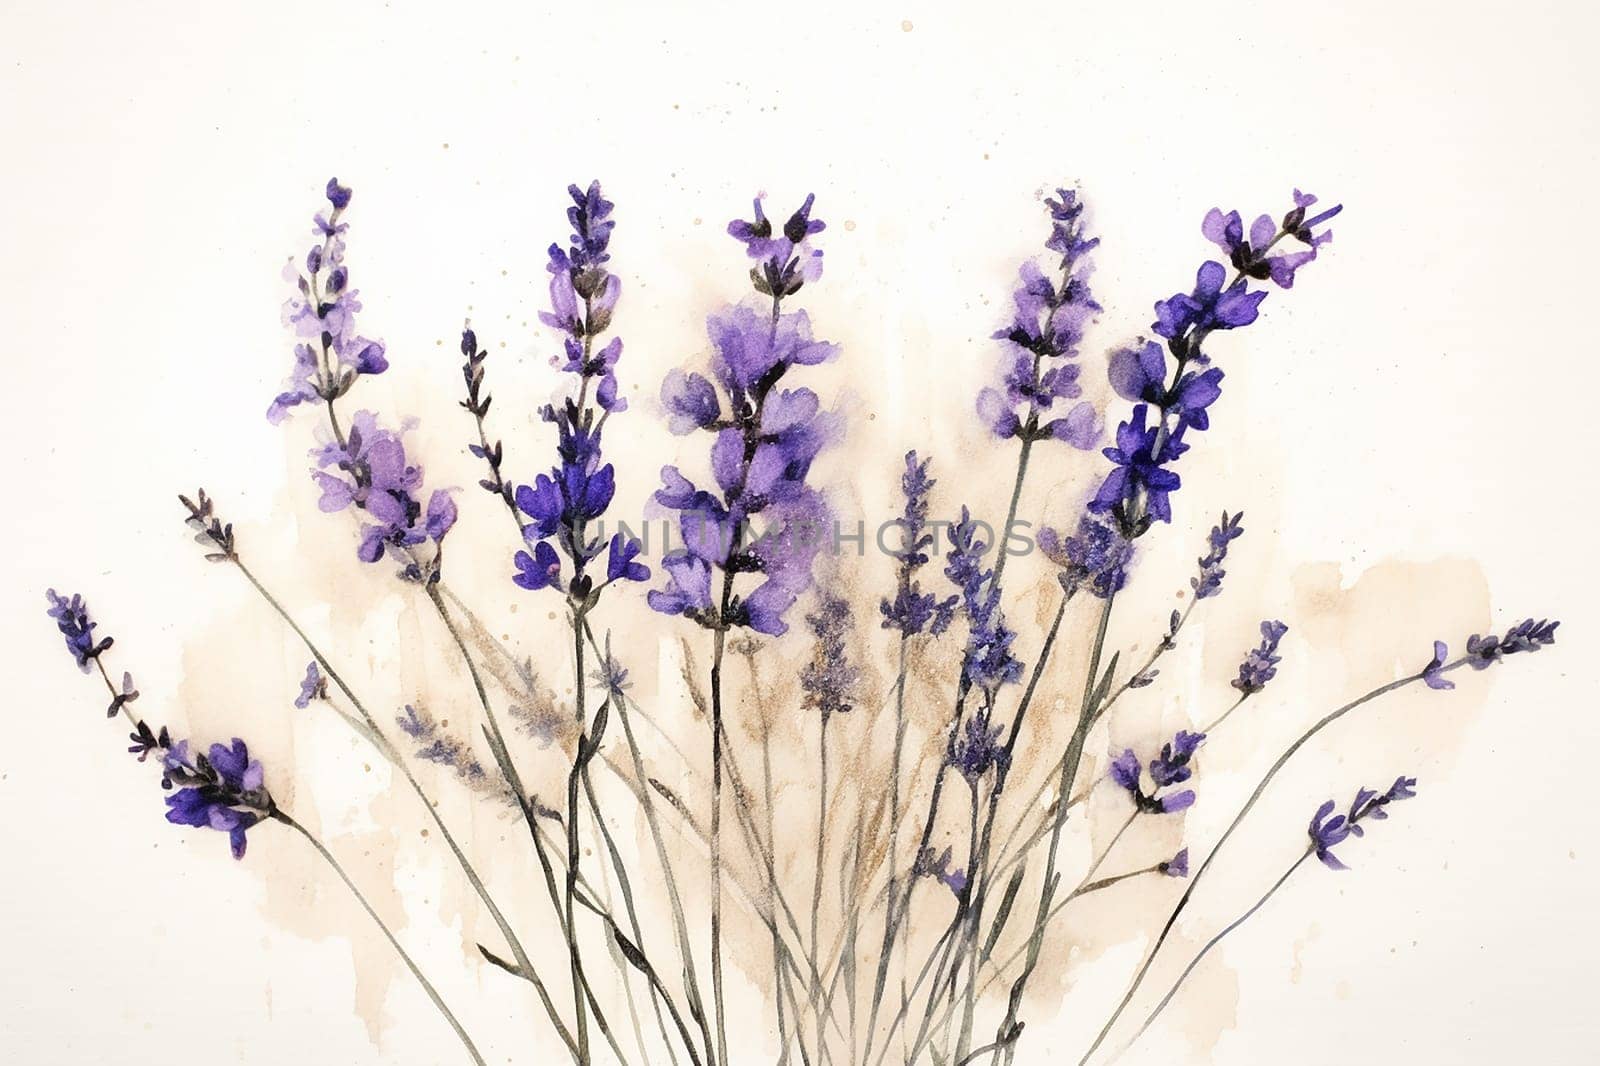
(1214, 941)
(1233, 826)
(369, 729)
(405, 956)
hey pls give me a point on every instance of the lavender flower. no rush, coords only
(369, 469)
(1249, 255)
(1328, 830)
(1177, 866)
(913, 611)
(331, 355)
(787, 259)
(978, 748)
(1261, 664)
(1095, 558)
(987, 662)
(829, 678)
(313, 687)
(1171, 767)
(72, 619)
(225, 791)
(1433, 673)
(1526, 636)
(1045, 333)
(577, 491)
(1208, 582)
(436, 746)
(1137, 490)
(760, 454)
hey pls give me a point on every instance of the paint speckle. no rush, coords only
(905, 26)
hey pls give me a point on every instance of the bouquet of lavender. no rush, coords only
(906, 920)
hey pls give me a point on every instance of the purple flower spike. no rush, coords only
(1328, 830)
(1046, 331)
(77, 629)
(912, 611)
(988, 662)
(762, 448)
(1125, 771)
(977, 749)
(1261, 664)
(1526, 636)
(579, 488)
(1177, 866)
(829, 679)
(1208, 582)
(331, 355)
(1095, 558)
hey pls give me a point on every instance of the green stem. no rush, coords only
(376, 737)
(416, 971)
(1238, 819)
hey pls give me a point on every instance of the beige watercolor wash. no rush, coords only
(1406, 433)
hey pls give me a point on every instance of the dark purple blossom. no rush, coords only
(987, 662)
(913, 611)
(1046, 331)
(978, 748)
(331, 354)
(1328, 830)
(1136, 491)
(313, 687)
(576, 492)
(225, 791)
(1139, 471)
(77, 629)
(1261, 664)
(1170, 768)
(829, 679)
(1095, 558)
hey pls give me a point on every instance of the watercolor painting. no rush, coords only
(554, 554)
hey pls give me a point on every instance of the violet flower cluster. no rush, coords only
(561, 505)
(913, 611)
(1261, 664)
(1169, 768)
(1139, 487)
(764, 439)
(987, 662)
(746, 534)
(1044, 337)
(365, 467)
(1328, 829)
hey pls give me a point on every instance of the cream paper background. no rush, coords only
(1409, 432)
